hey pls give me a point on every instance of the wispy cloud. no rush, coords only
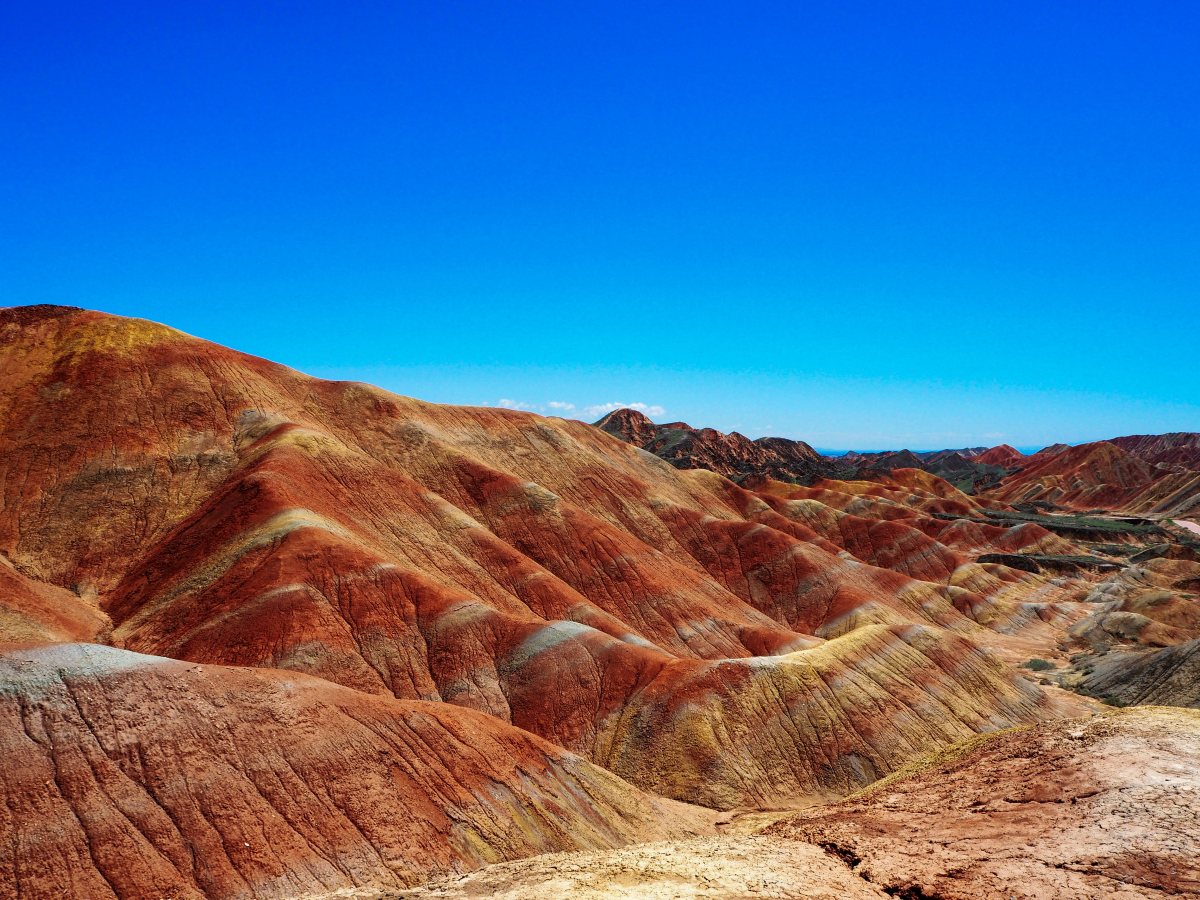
(591, 413)
(596, 412)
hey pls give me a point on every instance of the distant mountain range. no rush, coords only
(1150, 473)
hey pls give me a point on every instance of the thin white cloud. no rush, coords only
(562, 408)
(602, 409)
(513, 404)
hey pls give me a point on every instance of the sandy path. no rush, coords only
(1190, 526)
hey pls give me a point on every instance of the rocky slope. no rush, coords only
(133, 776)
(1103, 476)
(33, 612)
(1166, 677)
(1180, 449)
(1002, 455)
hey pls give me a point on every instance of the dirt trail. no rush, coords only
(1190, 526)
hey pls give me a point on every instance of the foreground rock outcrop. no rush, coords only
(722, 868)
(128, 776)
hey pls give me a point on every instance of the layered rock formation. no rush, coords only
(1002, 455)
(1145, 474)
(1180, 449)
(133, 776)
(534, 586)
(1166, 677)
(1103, 476)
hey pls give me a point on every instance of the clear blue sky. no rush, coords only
(862, 224)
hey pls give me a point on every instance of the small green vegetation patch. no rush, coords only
(1076, 523)
(1038, 665)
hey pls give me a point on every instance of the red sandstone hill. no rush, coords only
(1103, 476)
(1180, 449)
(1003, 455)
(392, 561)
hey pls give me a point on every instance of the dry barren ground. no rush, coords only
(721, 867)
(1096, 807)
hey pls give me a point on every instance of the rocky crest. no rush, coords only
(728, 454)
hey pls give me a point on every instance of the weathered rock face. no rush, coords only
(1149, 604)
(131, 776)
(1083, 808)
(32, 612)
(1166, 677)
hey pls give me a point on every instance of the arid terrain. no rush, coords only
(264, 635)
(1096, 807)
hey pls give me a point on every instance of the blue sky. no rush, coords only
(861, 224)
